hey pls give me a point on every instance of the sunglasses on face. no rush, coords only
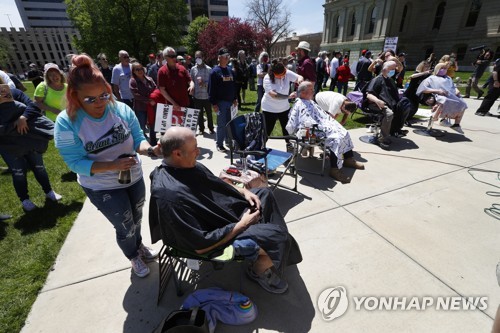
(172, 56)
(124, 57)
(91, 100)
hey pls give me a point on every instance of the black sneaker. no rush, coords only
(221, 149)
(269, 280)
(479, 94)
(481, 114)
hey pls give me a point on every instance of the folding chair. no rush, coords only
(173, 261)
(248, 137)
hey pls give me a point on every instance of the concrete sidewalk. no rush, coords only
(413, 224)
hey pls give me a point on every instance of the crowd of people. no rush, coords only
(106, 120)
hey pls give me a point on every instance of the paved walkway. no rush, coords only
(413, 224)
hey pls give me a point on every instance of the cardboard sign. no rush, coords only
(391, 43)
(167, 117)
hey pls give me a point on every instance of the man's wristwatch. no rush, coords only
(151, 152)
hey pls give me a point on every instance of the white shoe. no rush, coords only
(53, 196)
(28, 205)
(139, 267)
(147, 253)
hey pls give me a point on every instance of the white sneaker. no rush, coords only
(445, 122)
(28, 205)
(139, 267)
(53, 196)
(147, 253)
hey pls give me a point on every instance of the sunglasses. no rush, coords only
(172, 56)
(91, 100)
(124, 57)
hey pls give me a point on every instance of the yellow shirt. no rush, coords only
(54, 98)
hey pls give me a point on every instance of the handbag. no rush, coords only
(184, 321)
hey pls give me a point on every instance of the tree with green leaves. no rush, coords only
(270, 16)
(190, 41)
(5, 47)
(113, 25)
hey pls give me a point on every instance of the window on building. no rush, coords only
(475, 7)
(337, 27)
(373, 19)
(403, 18)
(199, 8)
(461, 51)
(353, 24)
(218, 2)
(439, 16)
(218, 13)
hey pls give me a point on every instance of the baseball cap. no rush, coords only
(179, 57)
(223, 52)
(152, 55)
(50, 66)
(363, 52)
(402, 54)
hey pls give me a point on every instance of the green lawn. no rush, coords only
(30, 242)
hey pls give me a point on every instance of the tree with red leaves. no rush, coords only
(233, 34)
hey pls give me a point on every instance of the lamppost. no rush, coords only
(153, 38)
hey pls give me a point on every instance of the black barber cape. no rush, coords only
(197, 208)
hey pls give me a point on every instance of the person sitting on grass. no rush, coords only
(338, 142)
(199, 212)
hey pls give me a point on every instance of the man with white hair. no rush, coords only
(174, 81)
(120, 78)
(383, 96)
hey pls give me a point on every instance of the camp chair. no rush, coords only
(248, 137)
(174, 261)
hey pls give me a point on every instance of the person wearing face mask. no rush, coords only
(382, 96)
(200, 73)
(449, 103)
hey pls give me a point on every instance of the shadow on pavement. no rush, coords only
(290, 312)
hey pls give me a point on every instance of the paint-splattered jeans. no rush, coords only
(20, 166)
(123, 208)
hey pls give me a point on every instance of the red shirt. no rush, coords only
(307, 68)
(344, 73)
(176, 83)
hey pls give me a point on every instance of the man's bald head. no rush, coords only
(174, 138)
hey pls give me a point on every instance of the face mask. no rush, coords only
(199, 61)
(391, 73)
(163, 62)
(442, 72)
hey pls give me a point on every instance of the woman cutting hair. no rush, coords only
(99, 138)
(275, 103)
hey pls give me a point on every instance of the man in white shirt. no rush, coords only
(334, 64)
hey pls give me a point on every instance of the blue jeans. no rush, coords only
(19, 167)
(142, 117)
(223, 118)
(260, 94)
(123, 208)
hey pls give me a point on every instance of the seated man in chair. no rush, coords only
(201, 213)
(382, 96)
(337, 139)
